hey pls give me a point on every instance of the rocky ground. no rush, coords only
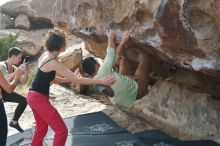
(68, 103)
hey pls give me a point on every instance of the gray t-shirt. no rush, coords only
(4, 68)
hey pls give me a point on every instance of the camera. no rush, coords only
(26, 60)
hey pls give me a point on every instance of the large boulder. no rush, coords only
(22, 22)
(16, 7)
(72, 57)
(180, 111)
(31, 42)
(6, 22)
(38, 12)
(184, 34)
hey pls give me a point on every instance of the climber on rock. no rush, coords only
(131, 83)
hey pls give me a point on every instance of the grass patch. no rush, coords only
(5, 44)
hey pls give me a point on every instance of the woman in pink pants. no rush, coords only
(38, 97)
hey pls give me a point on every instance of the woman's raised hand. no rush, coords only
(125, 36)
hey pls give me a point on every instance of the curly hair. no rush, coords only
(55, 41)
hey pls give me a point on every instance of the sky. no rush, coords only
(3, 1)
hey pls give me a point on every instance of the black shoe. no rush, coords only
(16, 126)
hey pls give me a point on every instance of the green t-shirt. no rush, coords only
(125, 88)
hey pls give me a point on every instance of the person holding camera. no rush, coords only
(7, 87)
(8, 69)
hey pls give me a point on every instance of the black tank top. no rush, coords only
(41, 81)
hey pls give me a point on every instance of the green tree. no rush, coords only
(5, 44)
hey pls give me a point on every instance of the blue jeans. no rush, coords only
(3, 124)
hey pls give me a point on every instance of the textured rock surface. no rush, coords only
(6, 22)
(22, 22)
(38, 12)
(181, 112)
(72, 57)
(177, 31)
(29, 41)
(182, 35)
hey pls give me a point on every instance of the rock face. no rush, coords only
(71, 58)
(182, 33)
(22, 22)
(181, 112)
(38, 12)
(6, 22)
(29, 41)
